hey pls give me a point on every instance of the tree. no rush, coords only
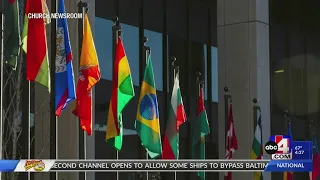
(13, 142)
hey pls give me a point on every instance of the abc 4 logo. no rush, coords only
(282, 147)
(271, 147)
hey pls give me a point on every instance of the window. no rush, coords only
(104, 48)
(214, 68)
(205, 73)
(130, 36)
(103, 42)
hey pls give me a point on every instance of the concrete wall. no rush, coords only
(68, 124)
(243, 60)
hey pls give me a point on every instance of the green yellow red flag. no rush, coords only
(122, 93)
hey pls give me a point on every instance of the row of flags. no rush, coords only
(34, 43)
(257, 149)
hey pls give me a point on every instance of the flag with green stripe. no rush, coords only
(257, 148)
(200, 128)
(12, 39)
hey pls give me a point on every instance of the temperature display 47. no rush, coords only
(301, 150)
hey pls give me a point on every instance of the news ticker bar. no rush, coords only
(155, 165)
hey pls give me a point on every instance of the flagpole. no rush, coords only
(312, 134)
(200, 84)
(255, 112)
(1, 90)
(82, 139)
(146, 53)
(226, 109)
(175, 73)
(116, 32)
(53, 117)
(287, 119)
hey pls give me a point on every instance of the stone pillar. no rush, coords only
(243, 66)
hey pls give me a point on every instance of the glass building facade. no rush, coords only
(295, 63)
(185, 29)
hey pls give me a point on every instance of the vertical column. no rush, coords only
(42, 123)
(243, 62)
(68, 126)
(90, 140)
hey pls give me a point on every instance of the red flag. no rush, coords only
(231, 141)
(288, 176)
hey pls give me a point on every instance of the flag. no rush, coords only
(288, 175)
(200, 129)
(89, 75)
(47, 20)
(12, 39)
(64, 78)
(231, 141)
(315, 160)
(177, 117)
(257, 147)
(37, 55)
(147, 121)
(122, 93)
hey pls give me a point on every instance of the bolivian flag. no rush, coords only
(122, 93)
(147, 121)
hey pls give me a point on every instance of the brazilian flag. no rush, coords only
(12, 39)
(147, 122)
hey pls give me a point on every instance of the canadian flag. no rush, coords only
(231, 142)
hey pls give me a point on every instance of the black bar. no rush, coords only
(165, 70)
(26, 119)
(158, 165)
(311, 129)
(117, 7)
(142, 42)
(287, 119)
(188, 85)
(53, 119)
(1, 89)
(115, 34)
(209, 74)
(255, 112)
(165, 56)
(172, 74)
(81, 6)
(142, 62)
(304, 17)
(226, 109)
